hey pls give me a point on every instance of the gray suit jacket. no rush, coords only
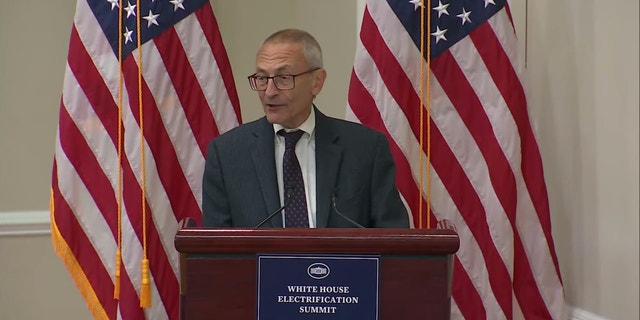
(240, 187)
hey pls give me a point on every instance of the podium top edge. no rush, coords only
(315, 233)
(199, 240)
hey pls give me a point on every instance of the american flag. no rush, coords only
(188, 97)
(484, 164)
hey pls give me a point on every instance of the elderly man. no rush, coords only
(325, 172)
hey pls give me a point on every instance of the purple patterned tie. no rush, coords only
(296, 215)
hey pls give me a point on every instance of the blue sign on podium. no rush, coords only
(313, 287)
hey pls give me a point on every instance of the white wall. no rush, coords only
(583, 88)
(34, 36)
(583, 64)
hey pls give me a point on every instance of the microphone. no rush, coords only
(334, 200)
(287, 200)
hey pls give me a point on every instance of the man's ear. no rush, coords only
(319, 76)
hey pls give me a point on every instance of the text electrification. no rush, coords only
(317, 299)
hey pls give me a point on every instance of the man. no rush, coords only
(296, 156)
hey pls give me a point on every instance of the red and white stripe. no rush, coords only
(188, 98)
(486, 169)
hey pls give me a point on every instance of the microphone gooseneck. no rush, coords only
(287, 200)
(334, 200)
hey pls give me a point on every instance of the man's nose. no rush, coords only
(271, 89)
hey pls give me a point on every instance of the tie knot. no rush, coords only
(291, 138)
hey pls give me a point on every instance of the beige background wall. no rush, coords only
(583, 88)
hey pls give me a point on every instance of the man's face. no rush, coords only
(289, 108)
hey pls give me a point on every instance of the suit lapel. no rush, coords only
(263, 158)
(328, 158)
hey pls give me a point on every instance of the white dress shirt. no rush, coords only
(306, 153)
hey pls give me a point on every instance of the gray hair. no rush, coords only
(310, 47)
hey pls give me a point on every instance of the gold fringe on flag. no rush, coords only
(62, 249)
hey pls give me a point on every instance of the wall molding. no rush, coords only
(579, 314)
(25, 223)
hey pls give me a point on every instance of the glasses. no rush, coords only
(282, 82)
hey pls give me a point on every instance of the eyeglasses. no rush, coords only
(282, 82)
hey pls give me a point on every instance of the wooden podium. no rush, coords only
(218, 267)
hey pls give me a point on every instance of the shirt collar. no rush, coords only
(308, 126)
